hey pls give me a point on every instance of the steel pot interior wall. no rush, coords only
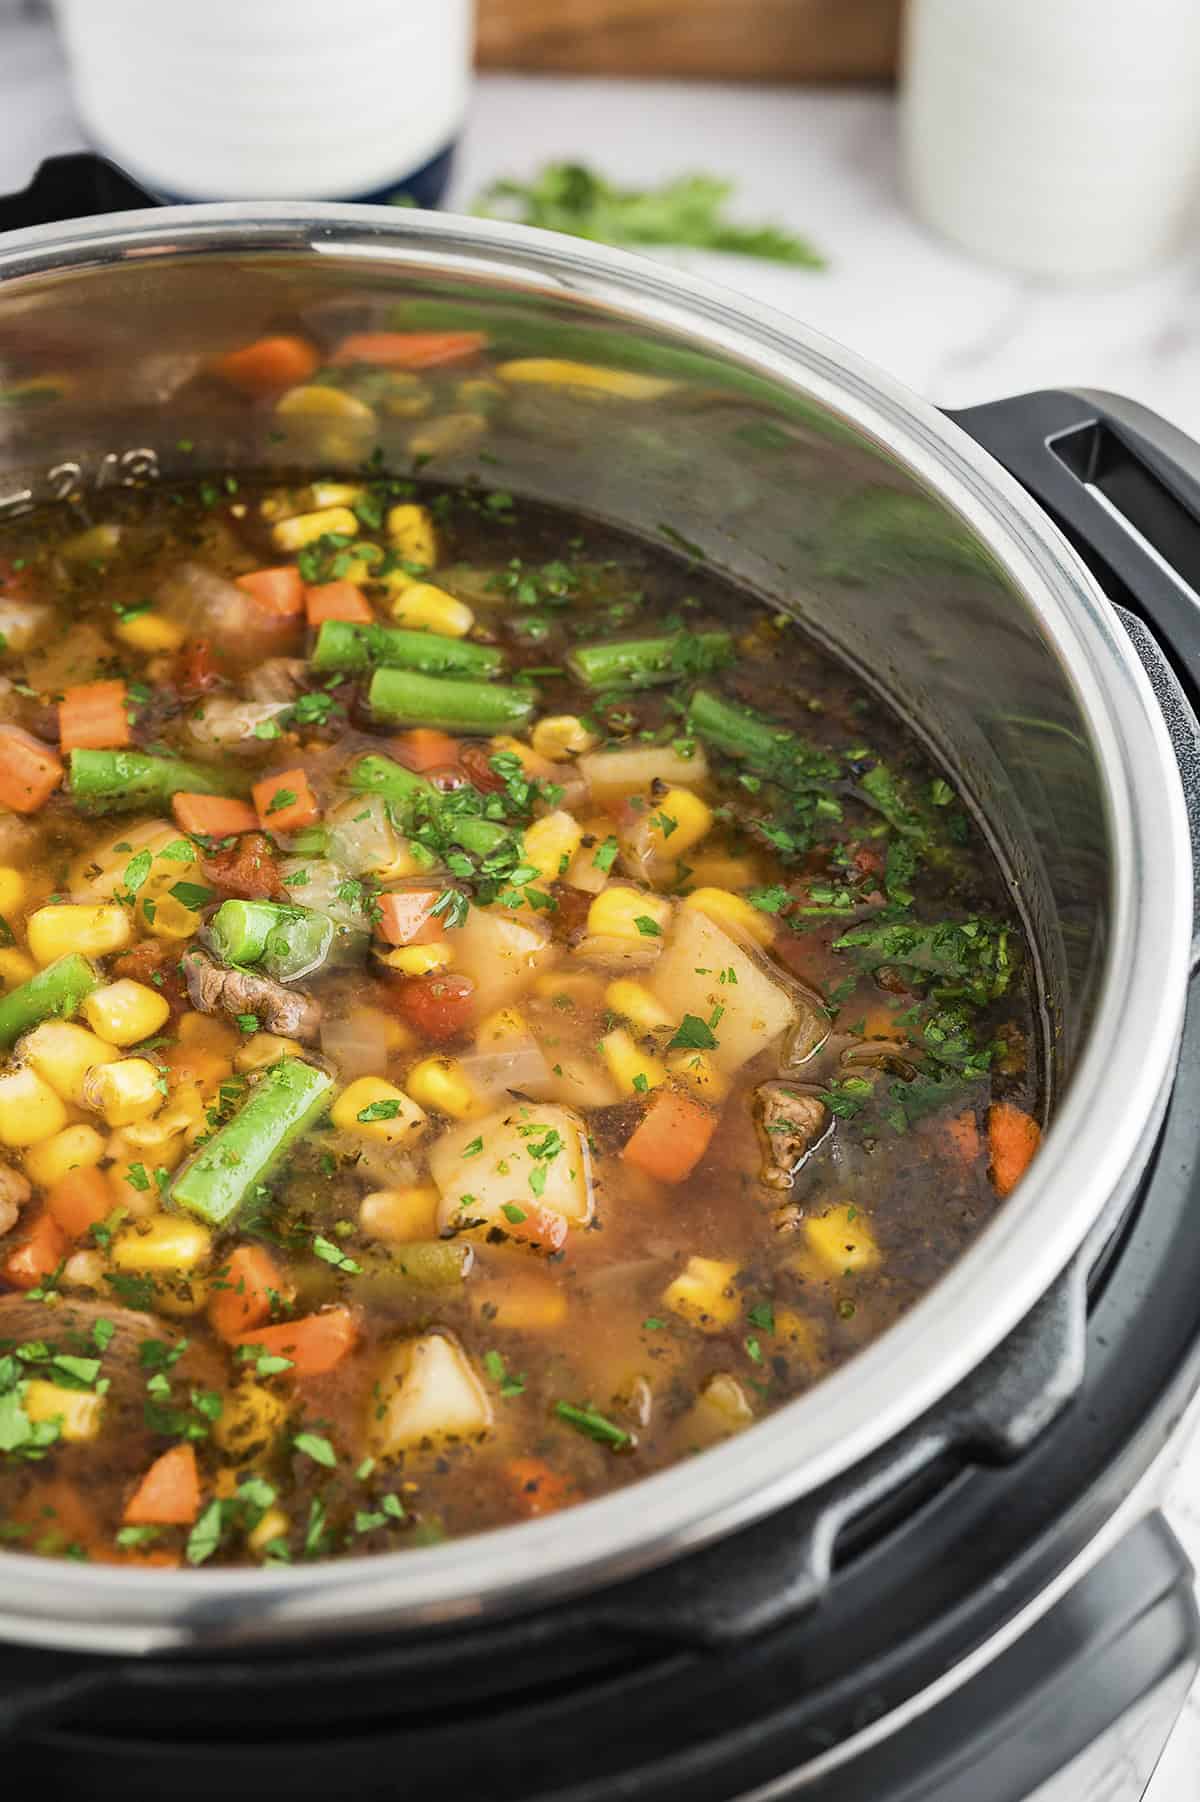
(704, 455)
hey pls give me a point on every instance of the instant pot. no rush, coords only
(942, 1574)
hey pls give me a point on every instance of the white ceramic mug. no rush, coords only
(272, 99)
(1058, 137)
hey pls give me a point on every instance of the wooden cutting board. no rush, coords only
(757, 40)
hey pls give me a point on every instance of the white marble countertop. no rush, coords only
(824, 163)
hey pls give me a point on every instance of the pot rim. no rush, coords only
(1121, 1078)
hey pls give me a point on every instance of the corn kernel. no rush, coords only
(392, 1118)
(164, 1242)
(97, 543)
(634, 1002)
(842, 1240)
(585, 873)
(84, 1270)
(78, 1411)
(703, 1294)
(506, 1027)
(558, 372)
(336, 494)
(12, 889)
(15, 968)
(74, 926)
(149, 633)
(160, 1142)
(401, 1214)
(306, 528)
(550, 843)
(251, 1419)
(438, 1082)
(130, 1191)
(410, 529)
(422, 607)
(74, 1148)
(406, 395)
(181, 1294)
(275, 1524)
(30, 1110)
(419, 960)
(634, 1071)
(733, 913)
(562, 735)
(697, 1070)
(616, 911)
(263, 1049)
(719, 871)
(677, 822)
(314, 401)
(124, 1092)
(124, 1012)
(63, 1053)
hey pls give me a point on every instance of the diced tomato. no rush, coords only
(441, 1007)
(156, 963)
(249, 870)
(476, 760)
(196, 672)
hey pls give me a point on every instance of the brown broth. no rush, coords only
(610, 1341)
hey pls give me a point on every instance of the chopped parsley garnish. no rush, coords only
(594, 1425)
(692, 1034)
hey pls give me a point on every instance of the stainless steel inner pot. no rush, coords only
(769, 455)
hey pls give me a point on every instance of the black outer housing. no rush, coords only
(756, 1657)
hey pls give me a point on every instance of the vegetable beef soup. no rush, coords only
(488, 1011)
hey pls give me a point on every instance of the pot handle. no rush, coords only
(72, 187)
(1124, 486)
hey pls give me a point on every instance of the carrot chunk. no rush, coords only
(1013, 1137)
(29, 771)
(542, 1229)
(268, 364)
(244, 1298)
(94, 716)
(409, 350)
(278, 591)
(40, 1255)
(212, 816)
(169, 1493)
(536, 1488)
(285, 802)
(406, 917)
(672, 1138)
(314, 1344)
(425, 748)
(337, 600)
(80, 1200)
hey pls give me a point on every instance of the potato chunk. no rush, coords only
(501, 952)
(754, 1010)
(525, 1154)
(426, 1391)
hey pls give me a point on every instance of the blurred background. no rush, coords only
(1000, 197)
(983, 198)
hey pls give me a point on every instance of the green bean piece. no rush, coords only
(638, 662)
(126, 781)
(342, 645)
(222, 1175)
(406, 698)
(298, 944)
(375, 775)
(238, 930)
(737, 732)
(422, 1264)
(55, 991)
(479, 837)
